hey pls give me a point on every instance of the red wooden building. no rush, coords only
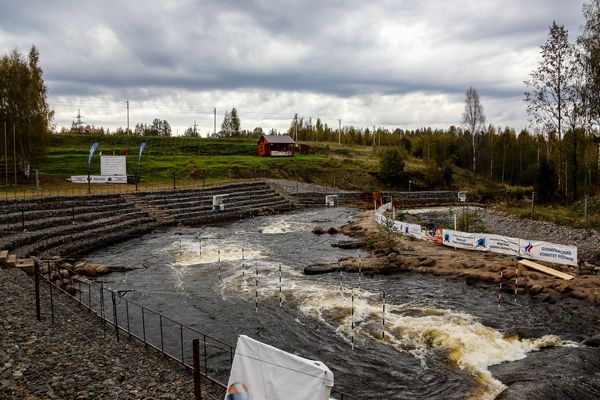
(276, 146)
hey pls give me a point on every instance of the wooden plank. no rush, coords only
(546, 270)
(3, 256)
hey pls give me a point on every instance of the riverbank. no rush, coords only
(73, 358)
(392, 254)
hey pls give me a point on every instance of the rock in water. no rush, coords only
(593, 341)
(322, 268)
(318, 230)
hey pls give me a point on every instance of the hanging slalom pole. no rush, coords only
(359, 270)
(219, 255)
(500, 290)
(280, 294)
(179, 245)
(383, 316)
(200, 244)
(352, 332)
(256, 291)
(516, 280)
(341, 282)
(243, 266)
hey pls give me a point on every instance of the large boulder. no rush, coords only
(322, 268)
(318, 230)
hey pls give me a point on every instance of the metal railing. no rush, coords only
(122, 316)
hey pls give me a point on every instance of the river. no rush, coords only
(440, 338)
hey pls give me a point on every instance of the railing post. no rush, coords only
(144, 327)
(37, 291)
(162, 346)
(127, 314)
(196, 357)
(116, 322)
(51, 297)
(205, 357)
(181, 337)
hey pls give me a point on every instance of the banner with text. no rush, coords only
(551, 252)
(461, 240)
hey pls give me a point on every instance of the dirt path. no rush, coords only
(395, 254)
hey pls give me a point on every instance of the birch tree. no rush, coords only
(473, 118)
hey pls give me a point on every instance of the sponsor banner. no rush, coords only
(261, 372)
(551, 252)
(458, 239)
(276, 153)
(98, 179)
(500, 244)
(413, 230)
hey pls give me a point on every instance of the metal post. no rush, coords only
(102, 307)
(500, 290)
(116, 322)
(37, 291)
(532, 204)
(585, 209)
(219, 255)
(174, 187)
(205, 356)
(181, 337)
(162, 345)
(144, 327)
(51, 296)
(196, 357)
(127, 314)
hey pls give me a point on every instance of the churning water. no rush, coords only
(437, 339)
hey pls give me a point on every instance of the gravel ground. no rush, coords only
(293, 187)
(73, 359)
(587, 241)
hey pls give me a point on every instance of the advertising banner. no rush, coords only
(461, 240)
(551, 252)
(501, 244)
(260, 371)
(92, 151)
(142, 146)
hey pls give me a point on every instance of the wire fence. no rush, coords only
(125, 318)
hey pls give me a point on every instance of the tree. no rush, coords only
(545, 182)
(549, 99)
(23, 104)
(391, 166)
(231, 124)
(473, 118)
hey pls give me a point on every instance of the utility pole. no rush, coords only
(215, 121)
(15, 151)
(339, 131)
(5, 154)
(79, 122)
(127, 117)
(296, 126)
(195, 128)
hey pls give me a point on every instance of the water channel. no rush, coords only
(440, 338)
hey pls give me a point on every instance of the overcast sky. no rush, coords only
(396, 63)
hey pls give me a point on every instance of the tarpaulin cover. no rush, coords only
(263, 372)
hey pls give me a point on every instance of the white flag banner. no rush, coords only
(261, 372)
(413, 230)
(500, 244)
(551, 252)
(461, 240)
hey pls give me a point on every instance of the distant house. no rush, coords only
(276, 146)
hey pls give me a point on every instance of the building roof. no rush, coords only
(282, 139)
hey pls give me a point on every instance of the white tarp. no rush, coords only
(461, 240)
(263, 372)
(502, 244)
(552, 252)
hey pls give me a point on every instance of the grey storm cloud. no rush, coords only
(336, 48)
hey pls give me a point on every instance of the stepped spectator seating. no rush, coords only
(61, 226)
